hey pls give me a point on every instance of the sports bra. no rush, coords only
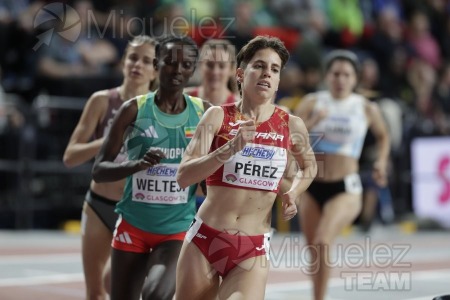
(102, 129)
(114, 103)
(344, 128)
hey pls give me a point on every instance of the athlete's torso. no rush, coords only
(337, 140)
(260, 164)
(343, 130)
(241, 193)
(114, 103)
(152, 199)
(110, 190)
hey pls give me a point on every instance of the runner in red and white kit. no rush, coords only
(242, 151)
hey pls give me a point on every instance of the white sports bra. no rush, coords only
(344, 128)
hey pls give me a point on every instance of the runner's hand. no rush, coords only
(379, 173)
(151, 158)
(245, 134)
(289, 206)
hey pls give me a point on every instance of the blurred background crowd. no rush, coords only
(55, 54)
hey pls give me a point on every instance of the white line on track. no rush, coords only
(40, 258)
(39, 280)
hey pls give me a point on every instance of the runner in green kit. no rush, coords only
(154, 213)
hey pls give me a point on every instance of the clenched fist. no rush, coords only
(151, 158)
(245, 134)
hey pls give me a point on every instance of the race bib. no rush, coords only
(256, 166)
(158, 185)
(353, 184)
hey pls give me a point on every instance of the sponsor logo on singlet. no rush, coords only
(263, 135)
(162, 171)
(150, 132)
(257, 152)
(237, 123)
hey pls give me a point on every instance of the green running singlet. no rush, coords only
(152, 200)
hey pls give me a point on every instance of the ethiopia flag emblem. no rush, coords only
(189, 132)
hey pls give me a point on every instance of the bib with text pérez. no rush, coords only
(256, 166)
(158, 185)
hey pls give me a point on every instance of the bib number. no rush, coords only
(256, 166)
(158, 185)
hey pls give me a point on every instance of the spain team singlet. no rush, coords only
(260, 164)
(152, 200)
(344, 128)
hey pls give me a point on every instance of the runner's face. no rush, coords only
(261, 76)
(216, 68)
(138, 64)
(176, 65)
(341, 78)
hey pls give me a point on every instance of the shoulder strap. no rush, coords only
(142, 99)
(198, 104)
